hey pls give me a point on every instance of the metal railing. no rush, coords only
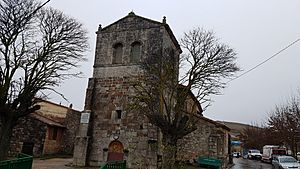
(209, 162)
(23, 161)
(114, 165)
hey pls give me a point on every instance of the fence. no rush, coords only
(22, 161)
(209, 162)
(114, 165)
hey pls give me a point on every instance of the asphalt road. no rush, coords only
(241, 163)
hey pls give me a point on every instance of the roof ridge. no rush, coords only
(132, 14)
(63, 106)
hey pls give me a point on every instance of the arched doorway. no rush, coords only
(115, 151)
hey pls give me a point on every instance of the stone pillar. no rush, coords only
(82, 140)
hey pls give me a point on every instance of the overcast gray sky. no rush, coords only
(256, 29)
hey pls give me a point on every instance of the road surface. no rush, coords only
(241, 163)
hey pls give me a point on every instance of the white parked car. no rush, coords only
(236, 154)
(285, 162)
(254, 154)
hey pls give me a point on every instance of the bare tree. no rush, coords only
(265, 135)
(208, 63)
(163, 99)
(38, 47)
(285, 121)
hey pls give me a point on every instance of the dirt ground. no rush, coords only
(65, 163)
(56, 163)
(53, 163)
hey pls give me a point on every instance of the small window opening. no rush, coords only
(117, 53)
(135, 55)
(119, 114)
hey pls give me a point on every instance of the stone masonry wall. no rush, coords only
(109, 92)
(195, 143)
(28, 130)
(110, 89)
(133, 128)
(71, 122)
(208, 140)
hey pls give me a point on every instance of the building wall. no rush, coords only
(31, 130)
(132, 129)
(66, 116)
(71, 122)
(53, 140)
(208, 140)
(28, 130)
(52, 110)
(109, 92)
(110, 89)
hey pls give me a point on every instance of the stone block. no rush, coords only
(80, 151)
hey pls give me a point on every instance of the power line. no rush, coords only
(277, 53)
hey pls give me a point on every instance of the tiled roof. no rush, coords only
(46, 120)
(59, 105)
(215, 123)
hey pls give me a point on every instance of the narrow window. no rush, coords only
(119, 114)
(117, 53)
(52, 133)
(135, 55)
(54, 136)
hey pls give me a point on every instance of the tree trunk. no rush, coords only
(5, 137)
(169, 152)
(291, 144)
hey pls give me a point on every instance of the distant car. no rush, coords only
(254, 154)
(236, 154)
(285, 162)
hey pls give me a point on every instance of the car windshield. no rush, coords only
(255, 151)
(287, 160)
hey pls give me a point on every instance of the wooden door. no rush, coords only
(115, 151)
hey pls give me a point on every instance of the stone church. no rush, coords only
(107, 131)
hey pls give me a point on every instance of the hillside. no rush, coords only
(235, 128)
